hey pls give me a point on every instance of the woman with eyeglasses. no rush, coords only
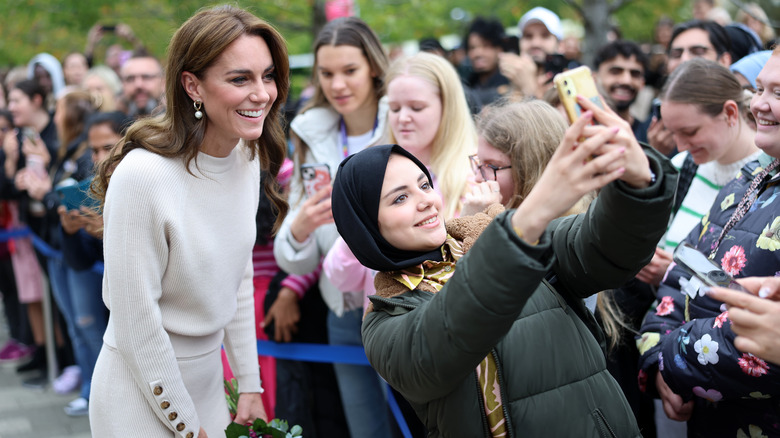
(516, 140)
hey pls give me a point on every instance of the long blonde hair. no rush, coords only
(456, 137)
(195, 47)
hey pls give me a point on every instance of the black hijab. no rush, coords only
(355, 205)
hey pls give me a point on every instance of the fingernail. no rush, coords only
(764, 292)
(622, 170)
(622, 150)
(615, 130)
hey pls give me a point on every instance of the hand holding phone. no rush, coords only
(705, 270)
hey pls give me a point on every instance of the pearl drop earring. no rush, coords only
(198, 113)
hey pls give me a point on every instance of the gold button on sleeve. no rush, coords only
(180, 427)
(172, 416)
(190, 434)
(157, 390)
(165, 405)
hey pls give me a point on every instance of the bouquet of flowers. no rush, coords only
(276, 428)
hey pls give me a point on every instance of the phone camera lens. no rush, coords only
(718, 276)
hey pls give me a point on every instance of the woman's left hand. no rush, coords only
(583, 162)
(250, 407)
(480, 197)
(637, 165)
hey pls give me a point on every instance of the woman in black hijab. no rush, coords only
(504, 342)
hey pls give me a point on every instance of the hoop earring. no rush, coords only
(198, 105)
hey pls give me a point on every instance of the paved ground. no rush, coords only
(34, 413)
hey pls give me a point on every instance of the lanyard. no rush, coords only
(344, 140)
(744, 205)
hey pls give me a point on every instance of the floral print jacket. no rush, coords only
(688, 337)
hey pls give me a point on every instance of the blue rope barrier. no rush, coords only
(324, 353)
(40, 245)
(396, 410)
(14, 233)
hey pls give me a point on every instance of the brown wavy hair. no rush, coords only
(195, 47)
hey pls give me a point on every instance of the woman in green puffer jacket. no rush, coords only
(503, 345)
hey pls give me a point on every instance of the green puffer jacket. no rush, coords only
(548, 347)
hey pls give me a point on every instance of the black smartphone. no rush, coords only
(698, 265)
(655, 110)
(110, 28)
(555, 63)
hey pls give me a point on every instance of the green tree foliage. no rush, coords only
(60, 26)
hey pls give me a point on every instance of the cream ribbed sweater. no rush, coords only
(178, 263)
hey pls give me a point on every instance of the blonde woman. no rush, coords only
(430, 118)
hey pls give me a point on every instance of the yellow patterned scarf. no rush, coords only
(436, 275)
(433, 273)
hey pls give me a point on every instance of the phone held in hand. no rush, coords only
(705, 270)
(315, 176)
(30, 133)
(655, 111)
(76, 195)
(574, 82)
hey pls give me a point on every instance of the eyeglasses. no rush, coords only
(696, 51)
(476, 166)
(129, 79)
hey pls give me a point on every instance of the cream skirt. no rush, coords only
(117, 408)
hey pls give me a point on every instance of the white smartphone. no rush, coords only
(697, 264)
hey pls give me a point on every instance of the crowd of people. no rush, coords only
(175, 194)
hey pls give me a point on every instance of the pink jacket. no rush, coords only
(346, 273)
